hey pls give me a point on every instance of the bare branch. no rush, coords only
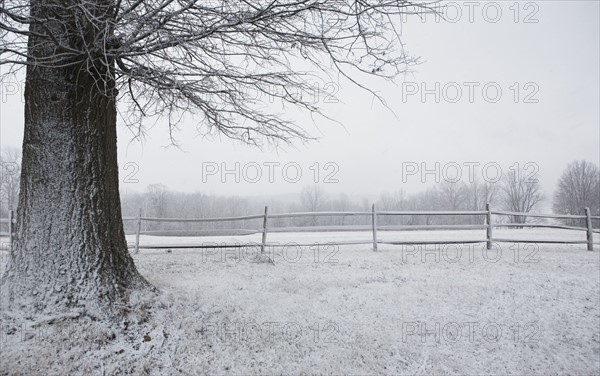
(166, 58)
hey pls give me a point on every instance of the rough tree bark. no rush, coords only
(70, 250)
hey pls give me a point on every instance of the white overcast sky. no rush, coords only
(558, 56)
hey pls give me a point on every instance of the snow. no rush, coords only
(520, 309)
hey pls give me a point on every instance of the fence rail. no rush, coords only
(11, 221)
(552, 216)
(374, 228)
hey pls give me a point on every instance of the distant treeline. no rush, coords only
(577, 188)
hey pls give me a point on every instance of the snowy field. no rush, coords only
(518, 309)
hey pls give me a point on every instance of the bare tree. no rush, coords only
(427, 200)
(521, 192)
(157, 58)
(489, 193)
(578, 187)
(156, 204)
(395, 201)
(312, 199)
(478, 195)
(341, 203)
(452, 196)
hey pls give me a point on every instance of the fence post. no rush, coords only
(264, 234)
(488, 218)
(590, 237)
(374, 222)
(137, 233)
(10, 229)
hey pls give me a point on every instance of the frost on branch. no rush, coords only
(214, 58)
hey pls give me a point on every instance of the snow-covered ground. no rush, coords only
(518, 309)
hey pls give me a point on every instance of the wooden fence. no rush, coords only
(10, 222)
(374, 228)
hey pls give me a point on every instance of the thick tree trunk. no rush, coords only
(70, 250)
